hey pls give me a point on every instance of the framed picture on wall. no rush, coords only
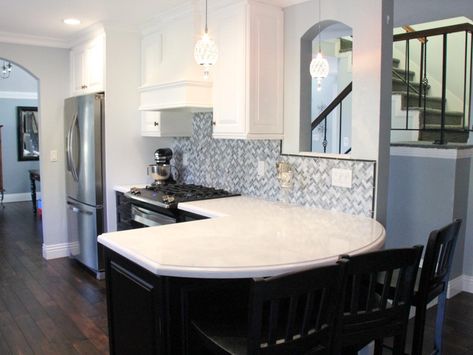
(28, 133)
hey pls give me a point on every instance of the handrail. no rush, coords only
(400, 77)
(410, 29)
(468, 27)
(343, 94)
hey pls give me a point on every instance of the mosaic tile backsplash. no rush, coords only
(231, 164)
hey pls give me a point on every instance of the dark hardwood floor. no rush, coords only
(46, 307)
(55, 307)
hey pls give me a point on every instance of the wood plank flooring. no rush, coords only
(55, 307)
(46, 307)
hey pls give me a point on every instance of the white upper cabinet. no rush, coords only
(88, 66)
(248, 77)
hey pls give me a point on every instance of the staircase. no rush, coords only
(427, 111)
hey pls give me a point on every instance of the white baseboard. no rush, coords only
(55, 251)
(455, 286)
(468, 283)
(20, 197)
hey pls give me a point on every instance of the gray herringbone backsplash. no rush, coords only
(231, 164)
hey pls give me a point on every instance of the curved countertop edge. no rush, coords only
(228, 272)
(231, 273)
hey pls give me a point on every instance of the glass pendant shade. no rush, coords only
(206, 53)
(319, 69)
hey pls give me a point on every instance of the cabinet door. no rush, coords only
(151, 124)
(166, 124)
(77, 70)
(135, 305)
(229, 74)
(94, 64)
(266, 70)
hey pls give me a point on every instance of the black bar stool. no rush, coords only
(434, 283)
(294, 313)
(368, 313)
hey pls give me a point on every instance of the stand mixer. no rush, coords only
(161, 170)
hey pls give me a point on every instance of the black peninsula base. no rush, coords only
(149, 314)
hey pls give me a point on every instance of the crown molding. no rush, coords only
(18, 38)
(24, 95)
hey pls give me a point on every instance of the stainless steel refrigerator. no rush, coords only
(85, 187)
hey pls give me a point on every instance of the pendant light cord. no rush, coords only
(206, 10)
(320, 33)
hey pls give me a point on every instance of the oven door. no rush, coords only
(143, 217)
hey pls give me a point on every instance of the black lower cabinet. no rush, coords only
(149, 314)
(136, 307)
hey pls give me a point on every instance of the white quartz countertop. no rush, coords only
(246, 237)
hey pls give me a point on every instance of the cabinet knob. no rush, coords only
(214, 123)
(156, 124)
(83, 87)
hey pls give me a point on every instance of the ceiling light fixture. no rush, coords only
(6, 70)
(206, 51)
(319, 67)
(72, 21)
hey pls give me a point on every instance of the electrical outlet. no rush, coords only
(53, 155)
(342, 177)
(261, 167)
(184, 159)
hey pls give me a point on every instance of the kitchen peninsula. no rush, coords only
(243, 237)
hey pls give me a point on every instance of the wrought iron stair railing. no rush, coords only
(416, 93)
(323, 116)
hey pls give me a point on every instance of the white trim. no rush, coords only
(22, 95)
(20, 197)
(468, 283)
(455, 286)
(437, 153)
(55, 251)
(18, 38)
(175, 84)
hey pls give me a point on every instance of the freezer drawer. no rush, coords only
(84, 224)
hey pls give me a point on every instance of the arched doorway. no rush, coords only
(19, 101)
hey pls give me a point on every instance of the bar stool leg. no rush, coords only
(418, 339)
(439, 322)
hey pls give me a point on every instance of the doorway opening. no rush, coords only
(20, 136)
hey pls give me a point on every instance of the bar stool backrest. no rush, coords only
(438, 261)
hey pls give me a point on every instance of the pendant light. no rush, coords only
(6, 70)
(319, 67)
(206, 51)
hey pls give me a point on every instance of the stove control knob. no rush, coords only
(168, 198)
(135, 191)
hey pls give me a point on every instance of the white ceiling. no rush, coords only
(43, 18)
(26, 21)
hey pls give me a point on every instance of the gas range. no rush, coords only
(169, 195)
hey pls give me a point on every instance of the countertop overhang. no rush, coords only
(246, 237)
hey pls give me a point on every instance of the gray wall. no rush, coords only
(425, 194)
(19, 80)
(468, 259)
(51, 67)
(15, 173)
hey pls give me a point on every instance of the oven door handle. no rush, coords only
(150, 218)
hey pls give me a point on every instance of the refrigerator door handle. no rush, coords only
(75, 209)
(70, 160)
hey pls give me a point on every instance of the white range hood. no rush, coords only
(186, 95)
(170, 77)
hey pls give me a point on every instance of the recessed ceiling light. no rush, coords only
(72, 21)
